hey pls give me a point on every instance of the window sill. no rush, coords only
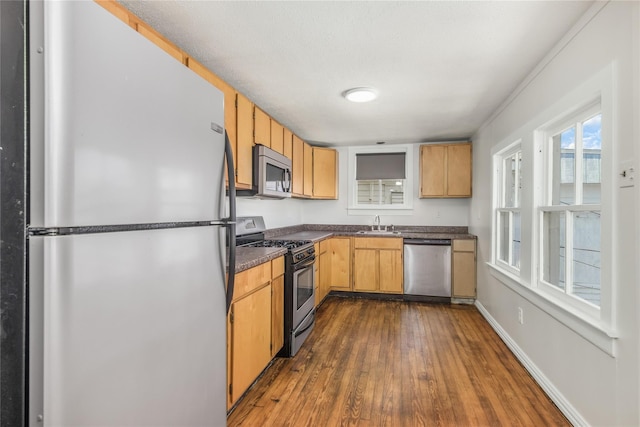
(591, 330)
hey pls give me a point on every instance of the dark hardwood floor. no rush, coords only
(393, 363)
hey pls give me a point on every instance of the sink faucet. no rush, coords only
(376, 223)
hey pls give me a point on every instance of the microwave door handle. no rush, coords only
(286, 184)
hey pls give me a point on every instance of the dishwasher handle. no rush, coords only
(428, 242)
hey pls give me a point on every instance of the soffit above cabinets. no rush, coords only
(440, 68)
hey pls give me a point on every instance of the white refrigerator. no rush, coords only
(127, 220)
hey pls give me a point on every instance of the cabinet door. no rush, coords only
(287, 149)
(244, 153)
(297, 166)
(316, 272)
(459, 170)
(261, 127)
(277, 137)
(341, 263)
(250, 339)
(277, 315)
(391, 271)
(308, 170)
(432, 170)
(324, 274)
(464, 270)
(324, 173)
(365, 270)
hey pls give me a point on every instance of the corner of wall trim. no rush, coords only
(554, 394)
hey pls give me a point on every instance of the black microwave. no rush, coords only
(271, 174)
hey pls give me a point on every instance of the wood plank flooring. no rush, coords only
(394, 363)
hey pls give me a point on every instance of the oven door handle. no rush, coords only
(306, 264)
(312, 318)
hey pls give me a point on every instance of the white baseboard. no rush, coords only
(554, 394)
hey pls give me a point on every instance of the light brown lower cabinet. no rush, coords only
(277, 305)
(463, 271)
(377, 265)
(324, 276)
(251, 339)
(255, 325)
(340, 260)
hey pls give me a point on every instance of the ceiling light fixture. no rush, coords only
(360, 94)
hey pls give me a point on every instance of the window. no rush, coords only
(379, 177)
(569, 211)
(508, 166)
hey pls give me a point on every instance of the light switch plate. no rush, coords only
(626, 174)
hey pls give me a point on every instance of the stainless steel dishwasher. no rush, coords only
(427, 267)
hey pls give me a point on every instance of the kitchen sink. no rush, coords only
(378, 232)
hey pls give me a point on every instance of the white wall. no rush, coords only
(596, 388)
(451, 212)
(276, 213)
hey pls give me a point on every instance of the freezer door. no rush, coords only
(133, 329)
(127, 135)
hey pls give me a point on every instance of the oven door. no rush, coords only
(303, 291)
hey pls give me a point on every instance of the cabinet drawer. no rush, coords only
(251, 279)
(377, 243)
(277, 267)
(464, 245)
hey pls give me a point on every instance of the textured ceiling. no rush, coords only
(441, 68)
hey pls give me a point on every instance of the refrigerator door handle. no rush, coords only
(231, 221)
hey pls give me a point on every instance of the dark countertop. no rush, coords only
(314, 236)
(251, 257)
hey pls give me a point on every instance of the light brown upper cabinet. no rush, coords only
(244, 143)
(445, 170)
(288, 143)
(297, 160)
(261, 127)
(277, 137)
(229, 104)
(308, 170)
(325, 161)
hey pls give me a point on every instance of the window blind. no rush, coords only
(380, 166)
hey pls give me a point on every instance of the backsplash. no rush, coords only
(276, 213)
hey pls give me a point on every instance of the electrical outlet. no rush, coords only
(520, 316)
(437, 214)
(626, 176)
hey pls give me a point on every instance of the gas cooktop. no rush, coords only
(289, 244)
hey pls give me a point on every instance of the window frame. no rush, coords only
(545, 205)
(600, 331)
(499, 205)
(408, 187)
